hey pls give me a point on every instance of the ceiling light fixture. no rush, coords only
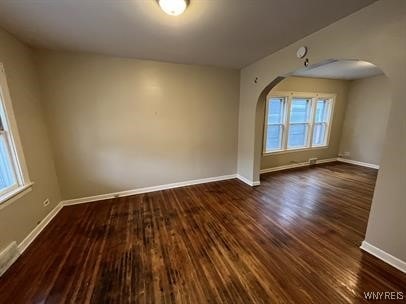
(173, 7)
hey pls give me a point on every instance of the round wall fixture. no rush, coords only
(301, 52)
(173, 7)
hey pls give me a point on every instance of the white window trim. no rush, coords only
(23, 179)
(288, 96)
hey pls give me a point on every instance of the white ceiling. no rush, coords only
(231, 33)
(342, 69)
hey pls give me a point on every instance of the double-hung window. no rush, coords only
(299, 123)
(275, 123)
(321, 122)
(13, 173)
(296, 121)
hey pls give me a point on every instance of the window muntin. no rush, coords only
(8, 179)
(321, 122)
(296, 121)
(275, 124)
(299, 121)
(13, 172)
(8, 176)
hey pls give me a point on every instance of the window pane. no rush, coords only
(275, 111)
(322, 108)
(300, 110)
(7, 177)
(297, 135)
(319, 134)
(274, 137)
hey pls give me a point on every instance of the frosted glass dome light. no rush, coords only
(173, 7)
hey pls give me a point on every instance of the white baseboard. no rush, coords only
(355, 162)
(247, 181)
(13, 251)
(384, 256)
(37, 230)
(327, 160)
(100, 197)
(296, 165)
(8, 256)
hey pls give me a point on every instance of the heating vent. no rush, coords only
(312, 161)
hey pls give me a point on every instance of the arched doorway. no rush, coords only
(377, 40)
(353, 84)
(337, 78)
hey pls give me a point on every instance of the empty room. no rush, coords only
(202, 151)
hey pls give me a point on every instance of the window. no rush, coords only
(321, 122)
(13, 175)
(275, 127)
(296, 121)
(299, 123)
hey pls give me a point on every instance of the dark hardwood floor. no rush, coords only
(294, 239)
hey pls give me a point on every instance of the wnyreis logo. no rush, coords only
(384, 295)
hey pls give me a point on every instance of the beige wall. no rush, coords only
(119, 124)
(366, 117)
(95, 104)
(314, 85)
(21, 216)
(361, 35)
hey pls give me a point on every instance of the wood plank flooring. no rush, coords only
(294, 239)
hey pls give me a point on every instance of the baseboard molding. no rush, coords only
(327, 160)
(384, 256)
(8, 256)
(37, 230)
(12, 252)
(247, 181)
(355, 162)
(100, 197)
(296, 165)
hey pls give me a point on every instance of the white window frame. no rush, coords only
(283, 124)
(14, 147)
(288, 96)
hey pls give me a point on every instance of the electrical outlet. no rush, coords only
(313, 161)
(46, 202)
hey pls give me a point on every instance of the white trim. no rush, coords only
(327, 160)
(14, 137)
(287, 97)
(296, 165)
(146, 190)
(247, 181)
(293, 150)
(8, 256)
(355, 162)
(20, 248)
(14, 195)
(384, 256)
(37, 230)
(285, 167)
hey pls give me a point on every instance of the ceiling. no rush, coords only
(342, 69)
(230, 33)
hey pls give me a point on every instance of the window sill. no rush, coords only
(12, 196)
(293, 150)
